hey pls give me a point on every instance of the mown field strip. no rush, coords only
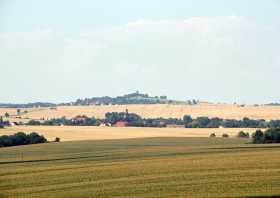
(75, 133)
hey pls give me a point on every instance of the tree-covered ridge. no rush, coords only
(133, 98)
(27, 105)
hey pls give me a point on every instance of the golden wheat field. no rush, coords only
(225, 111)
(74, 133)
(141, 168)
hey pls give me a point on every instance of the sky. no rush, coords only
(217, 51)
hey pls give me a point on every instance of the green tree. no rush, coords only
(212, 135)
(272, 136)
(258, 137)
(187, 120)
(225, 135)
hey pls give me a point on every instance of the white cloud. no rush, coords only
(194, 55)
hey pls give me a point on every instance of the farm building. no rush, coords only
(80, 118)
(121, 124)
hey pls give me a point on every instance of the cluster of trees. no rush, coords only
(274, 104)
(81, 121)
(21, 138)
(205, 122)
(271, 135)
(136, 121)
(114, 117)
(192, 102)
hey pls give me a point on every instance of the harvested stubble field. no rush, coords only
(153, 167)
(74, 133)
(155, 111)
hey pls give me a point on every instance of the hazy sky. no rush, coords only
(218, 50)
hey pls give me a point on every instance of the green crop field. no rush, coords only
(151, 167)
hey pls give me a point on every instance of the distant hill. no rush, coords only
(133, 98)
(28, 105)
(273, 104)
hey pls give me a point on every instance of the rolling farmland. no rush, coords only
(153, 167)
(155, 111)
(139, 99)
(140, 162)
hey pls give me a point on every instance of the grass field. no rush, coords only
(155, 111)
(72, 133)
(153, 167)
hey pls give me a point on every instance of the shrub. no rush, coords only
(57, 139)
(212, 135)
(242, 134)
(225, 135)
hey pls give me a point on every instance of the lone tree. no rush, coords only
(1, 122)
(212, 135)
(225, 135)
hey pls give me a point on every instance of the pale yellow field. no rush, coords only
(155, 111)
(72, 133)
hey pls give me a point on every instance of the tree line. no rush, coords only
(205, 122)
(135, 120)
